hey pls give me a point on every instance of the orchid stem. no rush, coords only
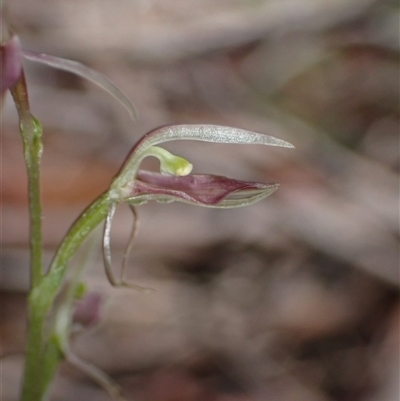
(31, 132)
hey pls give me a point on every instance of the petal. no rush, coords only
(206, 190)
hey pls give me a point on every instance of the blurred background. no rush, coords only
(294, 298)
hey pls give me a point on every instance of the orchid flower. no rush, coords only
(174, 182)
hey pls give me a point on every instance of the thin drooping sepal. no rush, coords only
(83, 71)
(107, 244)
(130, 243)
(106, 247)
(96, 374)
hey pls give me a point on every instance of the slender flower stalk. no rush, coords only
(39, 363)
(31, 132)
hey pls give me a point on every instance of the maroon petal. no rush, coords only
(201, 189)
(11, 66)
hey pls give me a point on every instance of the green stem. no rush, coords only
(42, 353)
(41, 358)
(79, 231)
(31, 135)
(31, 132)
